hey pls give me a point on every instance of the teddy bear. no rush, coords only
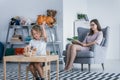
(49, 19)
(29, 51)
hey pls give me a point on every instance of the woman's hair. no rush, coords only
(37, 28)
(98, 26)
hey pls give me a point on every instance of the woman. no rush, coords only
(95, 36)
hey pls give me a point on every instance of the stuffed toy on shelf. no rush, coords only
(49, 19)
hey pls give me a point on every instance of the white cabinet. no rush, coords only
(79, 23)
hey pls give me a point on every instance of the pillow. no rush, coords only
(102, 43)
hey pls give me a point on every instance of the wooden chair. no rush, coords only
(48, 69)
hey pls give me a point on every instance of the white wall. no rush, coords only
(108, 13)
(70, 10)
(29, 9)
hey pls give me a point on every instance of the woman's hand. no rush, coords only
(84, 45)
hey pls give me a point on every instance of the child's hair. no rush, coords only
(37, 28)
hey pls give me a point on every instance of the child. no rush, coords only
(39, 42)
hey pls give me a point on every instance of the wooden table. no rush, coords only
(21, 58)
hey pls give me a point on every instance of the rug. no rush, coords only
(12, 72)
(70, 75)
(78, 75)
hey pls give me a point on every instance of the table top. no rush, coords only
(21, 58)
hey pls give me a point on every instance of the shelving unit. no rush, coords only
(55, 43)
(15, 28)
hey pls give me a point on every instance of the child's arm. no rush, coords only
(44, 31)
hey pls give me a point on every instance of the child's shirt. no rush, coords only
(40, 45)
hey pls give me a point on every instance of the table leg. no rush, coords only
(4, 69)
(57, 70)
(45, 70)
(19, 70)
(49, 70)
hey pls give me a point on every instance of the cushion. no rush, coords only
(82, 32)
(82, 54)
(103, 40)
(85, 54)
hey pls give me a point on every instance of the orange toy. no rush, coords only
(19, 51)
(48, 19)
(41, 19)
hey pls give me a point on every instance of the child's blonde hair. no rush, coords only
(37, 28)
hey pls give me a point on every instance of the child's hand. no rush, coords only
(26, 49)
(43, 24)
(84, 45)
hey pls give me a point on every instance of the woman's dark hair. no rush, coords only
(98, 26)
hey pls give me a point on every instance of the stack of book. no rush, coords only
(16, 38)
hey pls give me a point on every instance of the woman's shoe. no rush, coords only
(65, 68)
(69, 68)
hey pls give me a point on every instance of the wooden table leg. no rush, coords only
(49, 70)
(19, 70)
(57, 69)
(45, 70)
(4, 66)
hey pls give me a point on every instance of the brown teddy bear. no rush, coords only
(28, 51)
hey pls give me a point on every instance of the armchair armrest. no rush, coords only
(99, 53)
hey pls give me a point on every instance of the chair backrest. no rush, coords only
(82, 32)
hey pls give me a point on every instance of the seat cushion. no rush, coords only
(85, 54)
(82, 54)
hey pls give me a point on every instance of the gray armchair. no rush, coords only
(97, 53)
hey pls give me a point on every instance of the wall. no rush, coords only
(108, 13)
(70, 10)
(29, 9)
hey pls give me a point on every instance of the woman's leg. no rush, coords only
(39, 68)
(68, 55)
(74, 49)
(33, 70)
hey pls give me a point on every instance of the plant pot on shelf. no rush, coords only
(82, 17)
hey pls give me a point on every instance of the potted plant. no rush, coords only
(82, 16)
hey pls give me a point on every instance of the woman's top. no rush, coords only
(91, 38)
(40, 45)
